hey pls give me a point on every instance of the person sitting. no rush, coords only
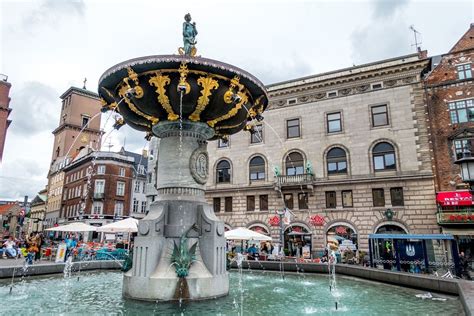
(252, 252)
(10, 250)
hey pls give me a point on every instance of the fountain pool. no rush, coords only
(262, 294)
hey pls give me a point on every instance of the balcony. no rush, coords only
(455, 217)
(99, 195)
(295, 180)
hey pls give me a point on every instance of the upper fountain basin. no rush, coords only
(221, 95)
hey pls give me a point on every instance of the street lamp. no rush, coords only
(466, 164)
(281, 213)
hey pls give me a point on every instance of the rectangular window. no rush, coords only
(461, 111)
(464, 71)
(99, 186)
(396, 195)
(250, 203)
(331, 199)
(257, 134)
(137, 187)
(228, 204)
(347, 198)
(376, 86)
(460, 146)
(118, 211)
(143, 186)
(334, 123)
(332, 94)
(378, 197)
(85, 120)
(120, 188)
(303, 201)
(223, 143)
(97, 208)
(141, 169)
(291, 101)
(135, 206)
(149, 177)
(264, 202)
(217, 204)
(288, 200)
(379, 115)
(293, 128)
(122, 172)
(143, 206)
(101, 169)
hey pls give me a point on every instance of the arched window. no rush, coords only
(294, 164)
(384, 157)
(337, 161)
(390, 229)
(223, 172)
(257, 169)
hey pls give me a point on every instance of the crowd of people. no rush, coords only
(27, 246)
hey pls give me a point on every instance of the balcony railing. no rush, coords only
(100, 195)
(305, 178)
(449, 217)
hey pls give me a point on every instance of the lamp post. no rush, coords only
(281, 213)
(466, 163)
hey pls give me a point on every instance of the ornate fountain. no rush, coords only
(185, 100)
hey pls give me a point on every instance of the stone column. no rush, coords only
(183, 168)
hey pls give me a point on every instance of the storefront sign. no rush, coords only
(61, 253)
(306, 252)
(316, 220)
(454, 198)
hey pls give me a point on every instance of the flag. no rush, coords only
(287, 217)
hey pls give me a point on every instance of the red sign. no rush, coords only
(454, 198)
(316, 220)
(274, 221)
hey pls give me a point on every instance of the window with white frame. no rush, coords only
(137, 186)
(135, 206)
(141, 169)
(460, 146)
(120, 188)
(461, 111)
(464, 71)
(99, 186)
(143, 186)
(97, 208)
(118, 210)
(143, 206)
(122, 172)
(101, 169)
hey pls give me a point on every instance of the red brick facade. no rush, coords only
(111, 168)
(449, 95)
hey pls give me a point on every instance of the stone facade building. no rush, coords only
(37, 212)
(346, 151)
(138, 198)
(80, 110)
(97, 187)
(450, 100)
(4, 111)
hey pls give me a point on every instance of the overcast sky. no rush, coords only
(49, 45)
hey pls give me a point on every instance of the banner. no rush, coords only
(61, 253)
(287, 217)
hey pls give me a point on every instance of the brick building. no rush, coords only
(80, 110)
(450, 101)
(347, 151)
(4, 111)
(97, 187)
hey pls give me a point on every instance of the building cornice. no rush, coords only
(79, 91)
(76, 128)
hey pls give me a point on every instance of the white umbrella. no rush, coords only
(74, 227)
(242, 233)
(128, 225)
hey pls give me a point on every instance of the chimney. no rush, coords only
(422, 54)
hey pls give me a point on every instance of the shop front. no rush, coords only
(298, 241)
(456, 217)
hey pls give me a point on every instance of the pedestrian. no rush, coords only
(464, 266)
(32, 248)
(10, 250)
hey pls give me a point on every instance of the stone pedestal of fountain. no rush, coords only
(179, 252)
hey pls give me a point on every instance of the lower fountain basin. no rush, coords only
(254, 293)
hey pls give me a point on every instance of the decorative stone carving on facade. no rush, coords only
(363, 88)
(281, 102)
(143, 228)
(320, 95)
(303, 98)
(345, 91)
(409, 79)
(389, 83)
(199, 165)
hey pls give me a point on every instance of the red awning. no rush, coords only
(454, 198)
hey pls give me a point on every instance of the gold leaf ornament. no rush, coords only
(207, 84)
(160, 82)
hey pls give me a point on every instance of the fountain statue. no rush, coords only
(186, 101)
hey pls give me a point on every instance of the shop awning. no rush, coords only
(454, 198)
(459, 231)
